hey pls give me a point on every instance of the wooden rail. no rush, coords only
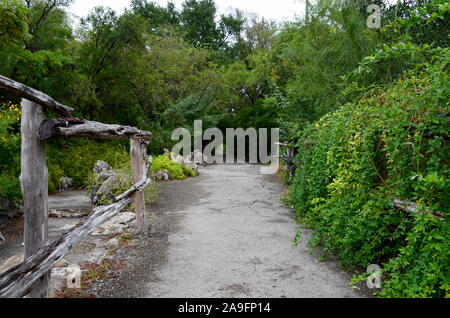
(17, 281)
(33, 95)
(76, 127)
(32, 277)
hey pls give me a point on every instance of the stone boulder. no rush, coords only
(62, 274)
(162, 175)
(193, 166)
(187, 162)
(101, 167)
(65, 184)
(63, 263)
(107, 183)
(68, 276)
(198, 157)
(2, 238)
(124, 222)
(11, 262)
(112, 244)
(177, 158)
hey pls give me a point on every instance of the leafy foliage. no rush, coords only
(176, 171)
(355, 161)
(362, 106)
(10, 153)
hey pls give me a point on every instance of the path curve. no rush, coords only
(225, 233)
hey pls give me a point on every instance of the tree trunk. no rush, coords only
(34, 181)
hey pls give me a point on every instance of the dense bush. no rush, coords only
(356, 160)
(75, 158)
(10, 153)
(176, 171)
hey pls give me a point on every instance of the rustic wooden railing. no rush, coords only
(32, 277)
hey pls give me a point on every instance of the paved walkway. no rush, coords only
(225, 233)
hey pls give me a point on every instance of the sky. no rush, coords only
(278, 10)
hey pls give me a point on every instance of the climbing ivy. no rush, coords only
(355, 161)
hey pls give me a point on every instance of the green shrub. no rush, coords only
(75, 158)
(176, 171)
(10, 153)
(355, 161)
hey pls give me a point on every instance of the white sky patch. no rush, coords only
(278, 10)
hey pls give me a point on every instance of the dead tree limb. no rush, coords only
(413, 208)
(76, 127)
(24, 91)
(17, 281)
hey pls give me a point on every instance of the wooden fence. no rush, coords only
(32, 277)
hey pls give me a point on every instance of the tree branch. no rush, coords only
(34, 95)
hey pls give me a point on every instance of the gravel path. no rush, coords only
(225, 233)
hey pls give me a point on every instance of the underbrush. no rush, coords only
(176, 171)
(354, 162)
(72, 158)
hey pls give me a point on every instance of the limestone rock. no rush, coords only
(106, 183)
(112, 244)
(166, 174)
(162, 175)
(2, 238)
(199, 158)
(66, 214)
(189, 161)
(11, 262)
(121, 223)
(62, 263)
(179, 159)
(107, 186)
(193, 166)
(68, 276)
(68, 227)
(65, 183)
(101, 167)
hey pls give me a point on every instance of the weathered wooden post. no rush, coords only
(34, 181)
(138, 152)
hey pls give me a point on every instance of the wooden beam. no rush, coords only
(76, 127)
(17, 281)
(138, 152)
(34, 95)
(34, 181)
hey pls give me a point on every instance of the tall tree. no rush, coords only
(109, 42)
(156, 16)
(198, 19)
